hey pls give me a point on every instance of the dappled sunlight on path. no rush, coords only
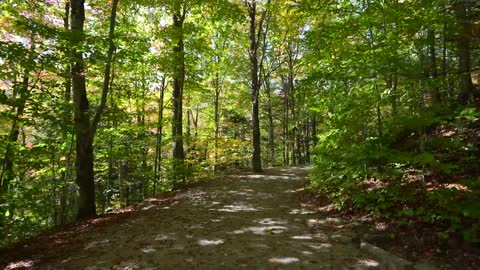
(240, 222)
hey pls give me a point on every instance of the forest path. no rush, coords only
(252, 221)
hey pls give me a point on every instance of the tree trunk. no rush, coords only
(217, 121)
(271, 135)
(158, 149)
(83, 146)
(84, 129)
(445, 80)
(256, 155)
(188, 132)
(177, 96)
(123, 179)
(291, 98)
(143, 149)
(436, 97)
(307, 141)
(467, 89)
(65, 177)
(68, 71)
(314, 131)
(379, 115)
(286, 136)
(66, 120)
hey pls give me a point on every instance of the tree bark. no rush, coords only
(307, 140)
(286, 136)
(445, 80)
(256, 155)
(83, 146)
(158, 148)
(84, 129)
(68, 68)
(467, 89)
(217, 121)
(291, 86)
(432, 55)
(177, 96)
(66, 120)
(271, 134)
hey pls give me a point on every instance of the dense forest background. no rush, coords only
(106, 103)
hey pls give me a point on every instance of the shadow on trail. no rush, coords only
(251, 221)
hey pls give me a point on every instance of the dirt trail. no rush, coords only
(239, 222)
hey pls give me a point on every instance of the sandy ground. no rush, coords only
(252, 221)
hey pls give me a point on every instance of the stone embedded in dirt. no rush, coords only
(205, 242)
(148, 250)
(367, 263)
(286, 260)
(323, 246)
(302, 237)
(316, 223)
(301, 212)
(97, 243)
(162, 237)
(335, 220)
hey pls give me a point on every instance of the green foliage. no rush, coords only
(470, 114)
(354, 81)
(387, 145)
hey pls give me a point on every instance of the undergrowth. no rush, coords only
(429, 175)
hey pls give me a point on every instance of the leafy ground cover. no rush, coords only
(421, 184)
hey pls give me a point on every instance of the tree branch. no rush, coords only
(106, 78)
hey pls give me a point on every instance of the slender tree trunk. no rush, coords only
(178, 84)
(307, 137)
(256, 155)
(112, 158)
(391, 84)
(395, 94)
(123, 179)
(436, 97)
(271, 134)
(314, 131)
(195, 124)
(286, 133)
(293, 131)
(158, 149)
(65, 177)
(143, 189)
(379, 115)
(445, 81)
(66, 120)
(68, 68)
(188, 132)
(217, 121)
(467, 89)
(54, 189)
